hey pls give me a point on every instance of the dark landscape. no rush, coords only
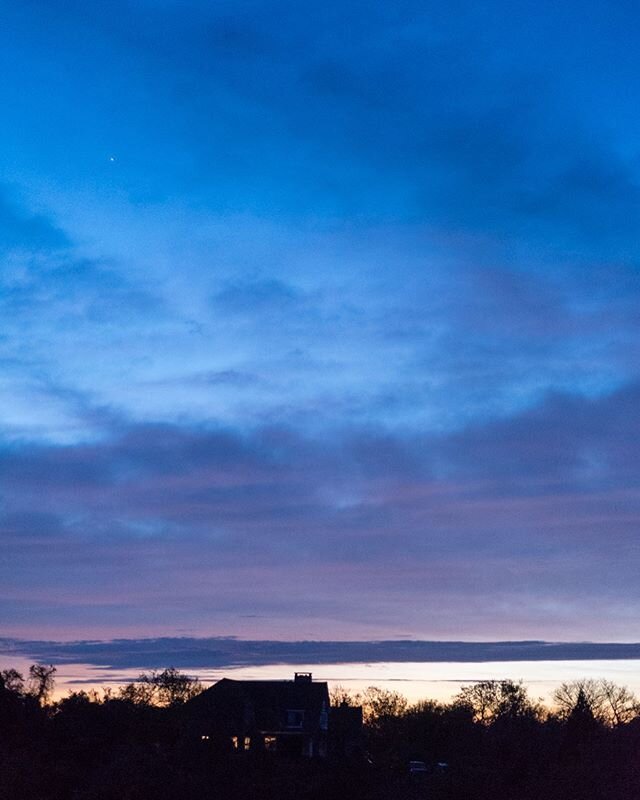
(166, 737)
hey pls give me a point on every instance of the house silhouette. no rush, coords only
(289, 717)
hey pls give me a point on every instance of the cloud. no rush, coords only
(220, 652)
(416, 115)
(503, 520)
(420, 224)
(60, 309)
(20, 229)
(223, 377)
(254, 297)
(348, 330)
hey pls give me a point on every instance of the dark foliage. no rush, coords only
(490, 743)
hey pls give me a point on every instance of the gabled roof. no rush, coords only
(262, 704)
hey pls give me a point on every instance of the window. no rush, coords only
(270, 743)
(234, 742)
(295, 718)
(247, 742)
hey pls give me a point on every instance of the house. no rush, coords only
(290, 717)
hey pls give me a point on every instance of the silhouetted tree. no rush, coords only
(139, 693)
(12, 680)
(609, 703)
(166, 688)
(619, 704)
(378, 704)
(174, 688)
(41, 681)
(339, 695)
(491, 700)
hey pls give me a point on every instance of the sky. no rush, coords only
(320, 320)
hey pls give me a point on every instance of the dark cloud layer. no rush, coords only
(215, 653)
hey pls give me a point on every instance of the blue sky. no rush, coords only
(319, 320)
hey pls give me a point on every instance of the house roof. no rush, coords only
(262, 704)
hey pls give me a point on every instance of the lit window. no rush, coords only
(270, 743)
(234, 742)
(247, 742)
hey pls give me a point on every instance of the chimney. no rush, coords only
(303, 677)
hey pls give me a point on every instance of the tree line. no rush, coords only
(491, 741)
